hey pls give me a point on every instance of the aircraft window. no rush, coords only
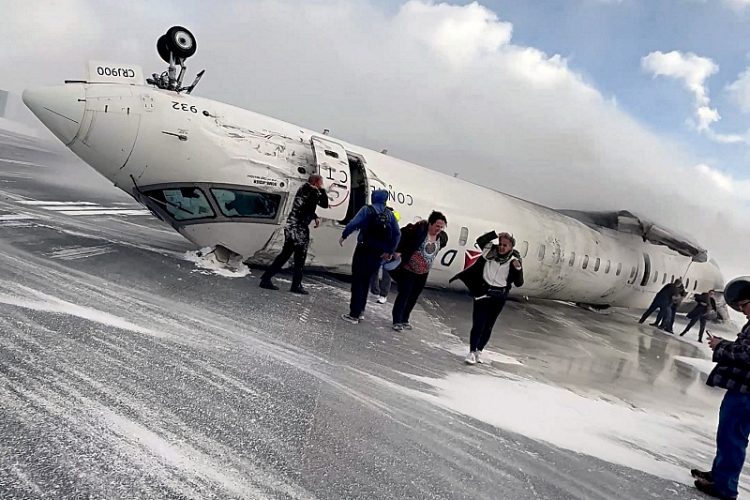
(656, 276)
(596, 264)
(464, 236)
(236, 203)
(695, 284)
(540, 255)
(332, 154)
(664, 279)
(585, 261)
(619, 269)
(607, 267)
(632, 272)
(687, 283)
(185, 203)
(524, 251)
(572, 260)
(672, 279)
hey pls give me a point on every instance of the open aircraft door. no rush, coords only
(332, 163)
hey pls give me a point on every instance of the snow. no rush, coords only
(651, 441)
(205, 259)
(702, 365)
(40, 301)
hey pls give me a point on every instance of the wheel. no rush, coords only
(181, 42)
(163, 48)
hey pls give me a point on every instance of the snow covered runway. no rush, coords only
(128, 371)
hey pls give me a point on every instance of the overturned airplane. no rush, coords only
(225, 177)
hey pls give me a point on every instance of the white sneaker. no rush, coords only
(471, 358)
(382, 300)
(407, 325)
(478, 357)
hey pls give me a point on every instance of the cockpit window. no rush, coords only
(236, 203)
(184, 203)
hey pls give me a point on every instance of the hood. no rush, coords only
(379, 197)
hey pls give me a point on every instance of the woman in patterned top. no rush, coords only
(418, 247)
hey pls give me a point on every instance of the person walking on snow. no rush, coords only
(309, 197)
(376, 242)
(489, 281)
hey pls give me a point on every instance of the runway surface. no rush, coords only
(129, 368)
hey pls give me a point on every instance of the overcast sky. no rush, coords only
(593, 104)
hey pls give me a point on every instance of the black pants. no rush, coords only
(300, 254)
(365, 263)
(380, 286)
(656, 304)
(486, 311)
(410, 285)
(693, 321)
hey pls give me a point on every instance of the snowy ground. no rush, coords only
(131, 367)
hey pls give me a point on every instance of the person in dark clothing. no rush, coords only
(665, 319)
(732, 372)
(309, 197)
(419, 245)
(661, 302)
(382, 286)
(489, 281)
(705, 307)
(376, 242)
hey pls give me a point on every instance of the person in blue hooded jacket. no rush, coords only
(376, 242)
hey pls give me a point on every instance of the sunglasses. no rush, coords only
(741, 304)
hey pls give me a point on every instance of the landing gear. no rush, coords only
(174, 47)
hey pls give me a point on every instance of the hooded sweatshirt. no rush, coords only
(367, 216)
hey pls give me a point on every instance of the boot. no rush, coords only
(709, 489)
(699, 474)
(298, 289)
(267, 284)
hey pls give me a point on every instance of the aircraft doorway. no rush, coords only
(358, 175)
(646, 269)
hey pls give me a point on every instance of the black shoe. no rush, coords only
(699, 474)
(700, 341)
(683, 334)
(653, 324)
(299, 290)
(268, 285)
(709, 489)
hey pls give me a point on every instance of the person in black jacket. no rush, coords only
(705, 306)
(662, 302)
(732, 372)
(418, 247)
(489, 280)
(309, 197)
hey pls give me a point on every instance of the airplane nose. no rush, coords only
(60, 108)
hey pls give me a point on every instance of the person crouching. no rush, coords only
(489, 281)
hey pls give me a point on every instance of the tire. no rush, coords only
(181, 42)
(163, 48)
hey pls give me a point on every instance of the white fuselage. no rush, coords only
(188, 158)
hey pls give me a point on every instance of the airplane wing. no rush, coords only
(628, 222)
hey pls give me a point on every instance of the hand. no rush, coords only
(341, 242)
(517, 264)
(396, 255)
(317, 222)
(386, 257)
(714, 341)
